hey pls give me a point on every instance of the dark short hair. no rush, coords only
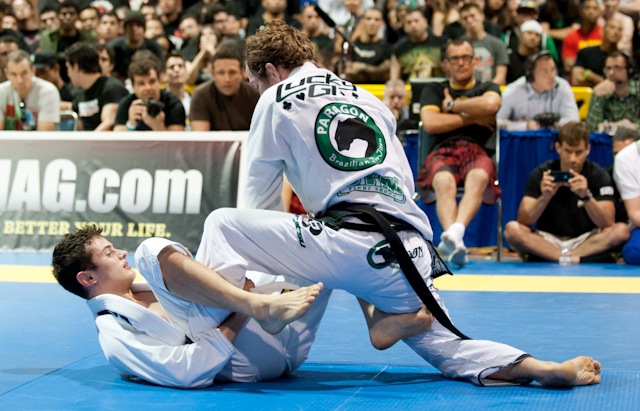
(142, 62)
(573, 133)
(69, 4)
(230, 49)
(50, 7)
(85, 55)
(454, 42)
(623, 134)
(9, 38)
(71, 255)
(110, 51)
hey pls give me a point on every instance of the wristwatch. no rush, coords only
(588, 197)
(449, 106)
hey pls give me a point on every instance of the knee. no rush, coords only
(478, 178)
(513, 231)
(444, 183)
(619, 234)
(631, 250)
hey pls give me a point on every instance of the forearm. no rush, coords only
(601, 213)
(481, 106)
(530, 211)
(232, 325)
(438, 123)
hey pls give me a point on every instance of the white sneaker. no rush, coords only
(459, 257)
(447, 243)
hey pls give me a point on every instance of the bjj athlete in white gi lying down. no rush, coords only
(336, 145)
(147, 332)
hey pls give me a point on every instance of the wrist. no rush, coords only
(130, 126)
(586, 74)
(588, 196)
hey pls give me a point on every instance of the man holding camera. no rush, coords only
(149, 107)
(570, 202)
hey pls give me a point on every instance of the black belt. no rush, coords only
(375, 221)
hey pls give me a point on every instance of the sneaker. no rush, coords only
(459, 257)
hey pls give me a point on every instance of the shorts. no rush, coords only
(565, 242)
(458, 158)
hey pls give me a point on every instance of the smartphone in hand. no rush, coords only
(560, 176)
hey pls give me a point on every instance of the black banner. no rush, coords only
(134, 189)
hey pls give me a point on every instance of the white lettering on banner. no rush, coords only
(56, 195)
(166, 191)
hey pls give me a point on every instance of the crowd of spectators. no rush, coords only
(140, 64)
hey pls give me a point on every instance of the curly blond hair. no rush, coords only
(279, 44)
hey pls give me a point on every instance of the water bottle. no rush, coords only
(565, 257)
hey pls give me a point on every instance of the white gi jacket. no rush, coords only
(139, 342)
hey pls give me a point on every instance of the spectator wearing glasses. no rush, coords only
(615, 102)
(460, 116)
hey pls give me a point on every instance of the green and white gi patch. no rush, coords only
(348, 139)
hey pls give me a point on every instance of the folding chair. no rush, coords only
(68, 120)
(423, 146)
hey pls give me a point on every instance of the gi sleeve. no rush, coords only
(184, 366)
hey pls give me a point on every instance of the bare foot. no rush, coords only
(578, 371)
(387, 329)
(280, 310)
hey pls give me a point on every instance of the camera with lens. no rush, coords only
(154, 107)
(547, 120)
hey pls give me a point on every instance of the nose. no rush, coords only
(123, 254)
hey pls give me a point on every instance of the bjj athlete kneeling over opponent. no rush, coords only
(148, 332)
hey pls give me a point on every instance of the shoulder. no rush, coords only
(44, 85)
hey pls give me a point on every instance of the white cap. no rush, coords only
(531, 25)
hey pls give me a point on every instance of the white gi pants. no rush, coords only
(260, 356)
(237, 240)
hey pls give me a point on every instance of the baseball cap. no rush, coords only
(134, 17)
(528, 4)
(43, 59)
(531, 25)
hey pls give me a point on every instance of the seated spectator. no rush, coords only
(109, 28)
(615, 102)
(153, 28)
(90, 19)
(418, 54)
(170, 13)
(370, 59)
(107, 57)
(445, 12)
(529, 43)
(611, 11)
(132, 41)
(313, 27)
(622, 138)
(149, 10)
(573, 219)
(49, 17)
(527, 11)
(58, 41)
(589, 34)
(10, 22)
(48, 68)
(176, 73)
(588, 70)
(97, 99)
(456, 29)
(459, 116)
(8, 44)
(491, 52)
(627, 177)
(227, 101)
(394, 96)
(559, 18)
(539, 91)
(272, 10)
(149, 107)
(26, 101)
(28, 19)
(189, 27)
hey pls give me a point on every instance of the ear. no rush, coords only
(558, 147)
(85, 278)
(272, 71)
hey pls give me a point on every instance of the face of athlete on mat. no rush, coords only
(110, 273)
